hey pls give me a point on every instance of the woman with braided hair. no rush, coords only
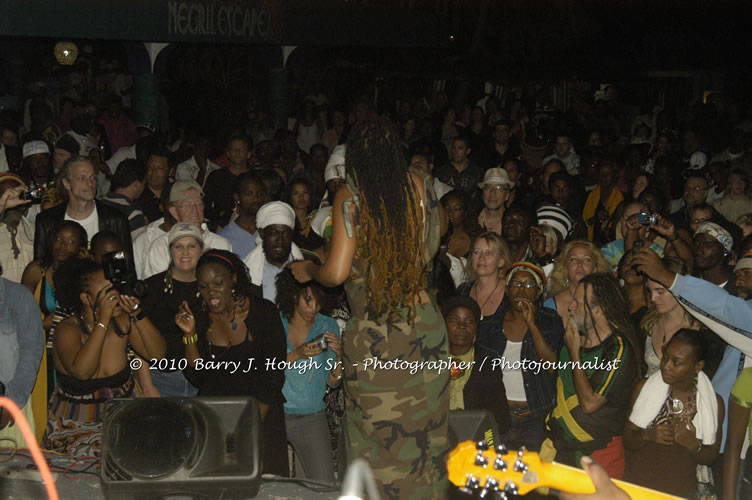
(387, 224)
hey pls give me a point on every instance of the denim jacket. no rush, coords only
(21, 341)
(540, 389)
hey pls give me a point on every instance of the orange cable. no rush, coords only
(31, 441)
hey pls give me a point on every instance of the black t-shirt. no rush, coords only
(161, 306)
(218, 196)
(150, 204)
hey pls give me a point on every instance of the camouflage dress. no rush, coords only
(395, 419)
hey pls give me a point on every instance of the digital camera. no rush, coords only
(321, 341)
(34, 194)
(647, 219)
(119, 269)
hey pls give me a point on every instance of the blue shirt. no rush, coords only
(269, 283)
(21, 341)
(614, 251)
(305, 385)
(241, 240)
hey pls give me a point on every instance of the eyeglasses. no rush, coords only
(696, 189)
(526, 285)
(484, 253)
(191, 206)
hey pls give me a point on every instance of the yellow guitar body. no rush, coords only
(498, 469)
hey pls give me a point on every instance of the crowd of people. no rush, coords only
(607, 264)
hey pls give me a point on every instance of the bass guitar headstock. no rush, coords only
(493, 472)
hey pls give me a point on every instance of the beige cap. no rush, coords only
(178, 191)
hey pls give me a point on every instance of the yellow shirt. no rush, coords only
(457, 384)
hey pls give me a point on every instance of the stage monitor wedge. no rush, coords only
(203, 447)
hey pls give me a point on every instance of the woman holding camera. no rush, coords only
(314, 350)
(90, 354)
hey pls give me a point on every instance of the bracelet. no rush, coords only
(190, 339)
(141, 315)
(699, 448)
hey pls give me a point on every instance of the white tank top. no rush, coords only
(513, 382)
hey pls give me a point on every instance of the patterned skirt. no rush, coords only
(74, 425)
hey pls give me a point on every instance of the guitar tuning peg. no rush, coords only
(521, 451)
(472, 484)
(487, 493)
(520, 466)
(502, 449)
(511, 489)
(480, 460)
(481, 446)
(491, 484)
(500, 464)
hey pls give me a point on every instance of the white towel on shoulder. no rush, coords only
(255, 260)
(654, 393)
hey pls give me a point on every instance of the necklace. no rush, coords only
(487, 298)
(677, 405)
(233, 326)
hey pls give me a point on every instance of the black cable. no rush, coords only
(309, 484)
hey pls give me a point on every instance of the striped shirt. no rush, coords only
(123, 204)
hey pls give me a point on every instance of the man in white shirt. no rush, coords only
(564, 152)
(186, 205)
(80, 182)
(199, 166)
(141, 245)
(275, 222)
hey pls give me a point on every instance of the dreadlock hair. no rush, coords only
(390, 235)
(607, 295)
(233, 264)
(71, 280)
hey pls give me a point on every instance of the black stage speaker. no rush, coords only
(203, 447)
(472, 425)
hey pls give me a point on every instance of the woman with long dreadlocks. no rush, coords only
(387, 224)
